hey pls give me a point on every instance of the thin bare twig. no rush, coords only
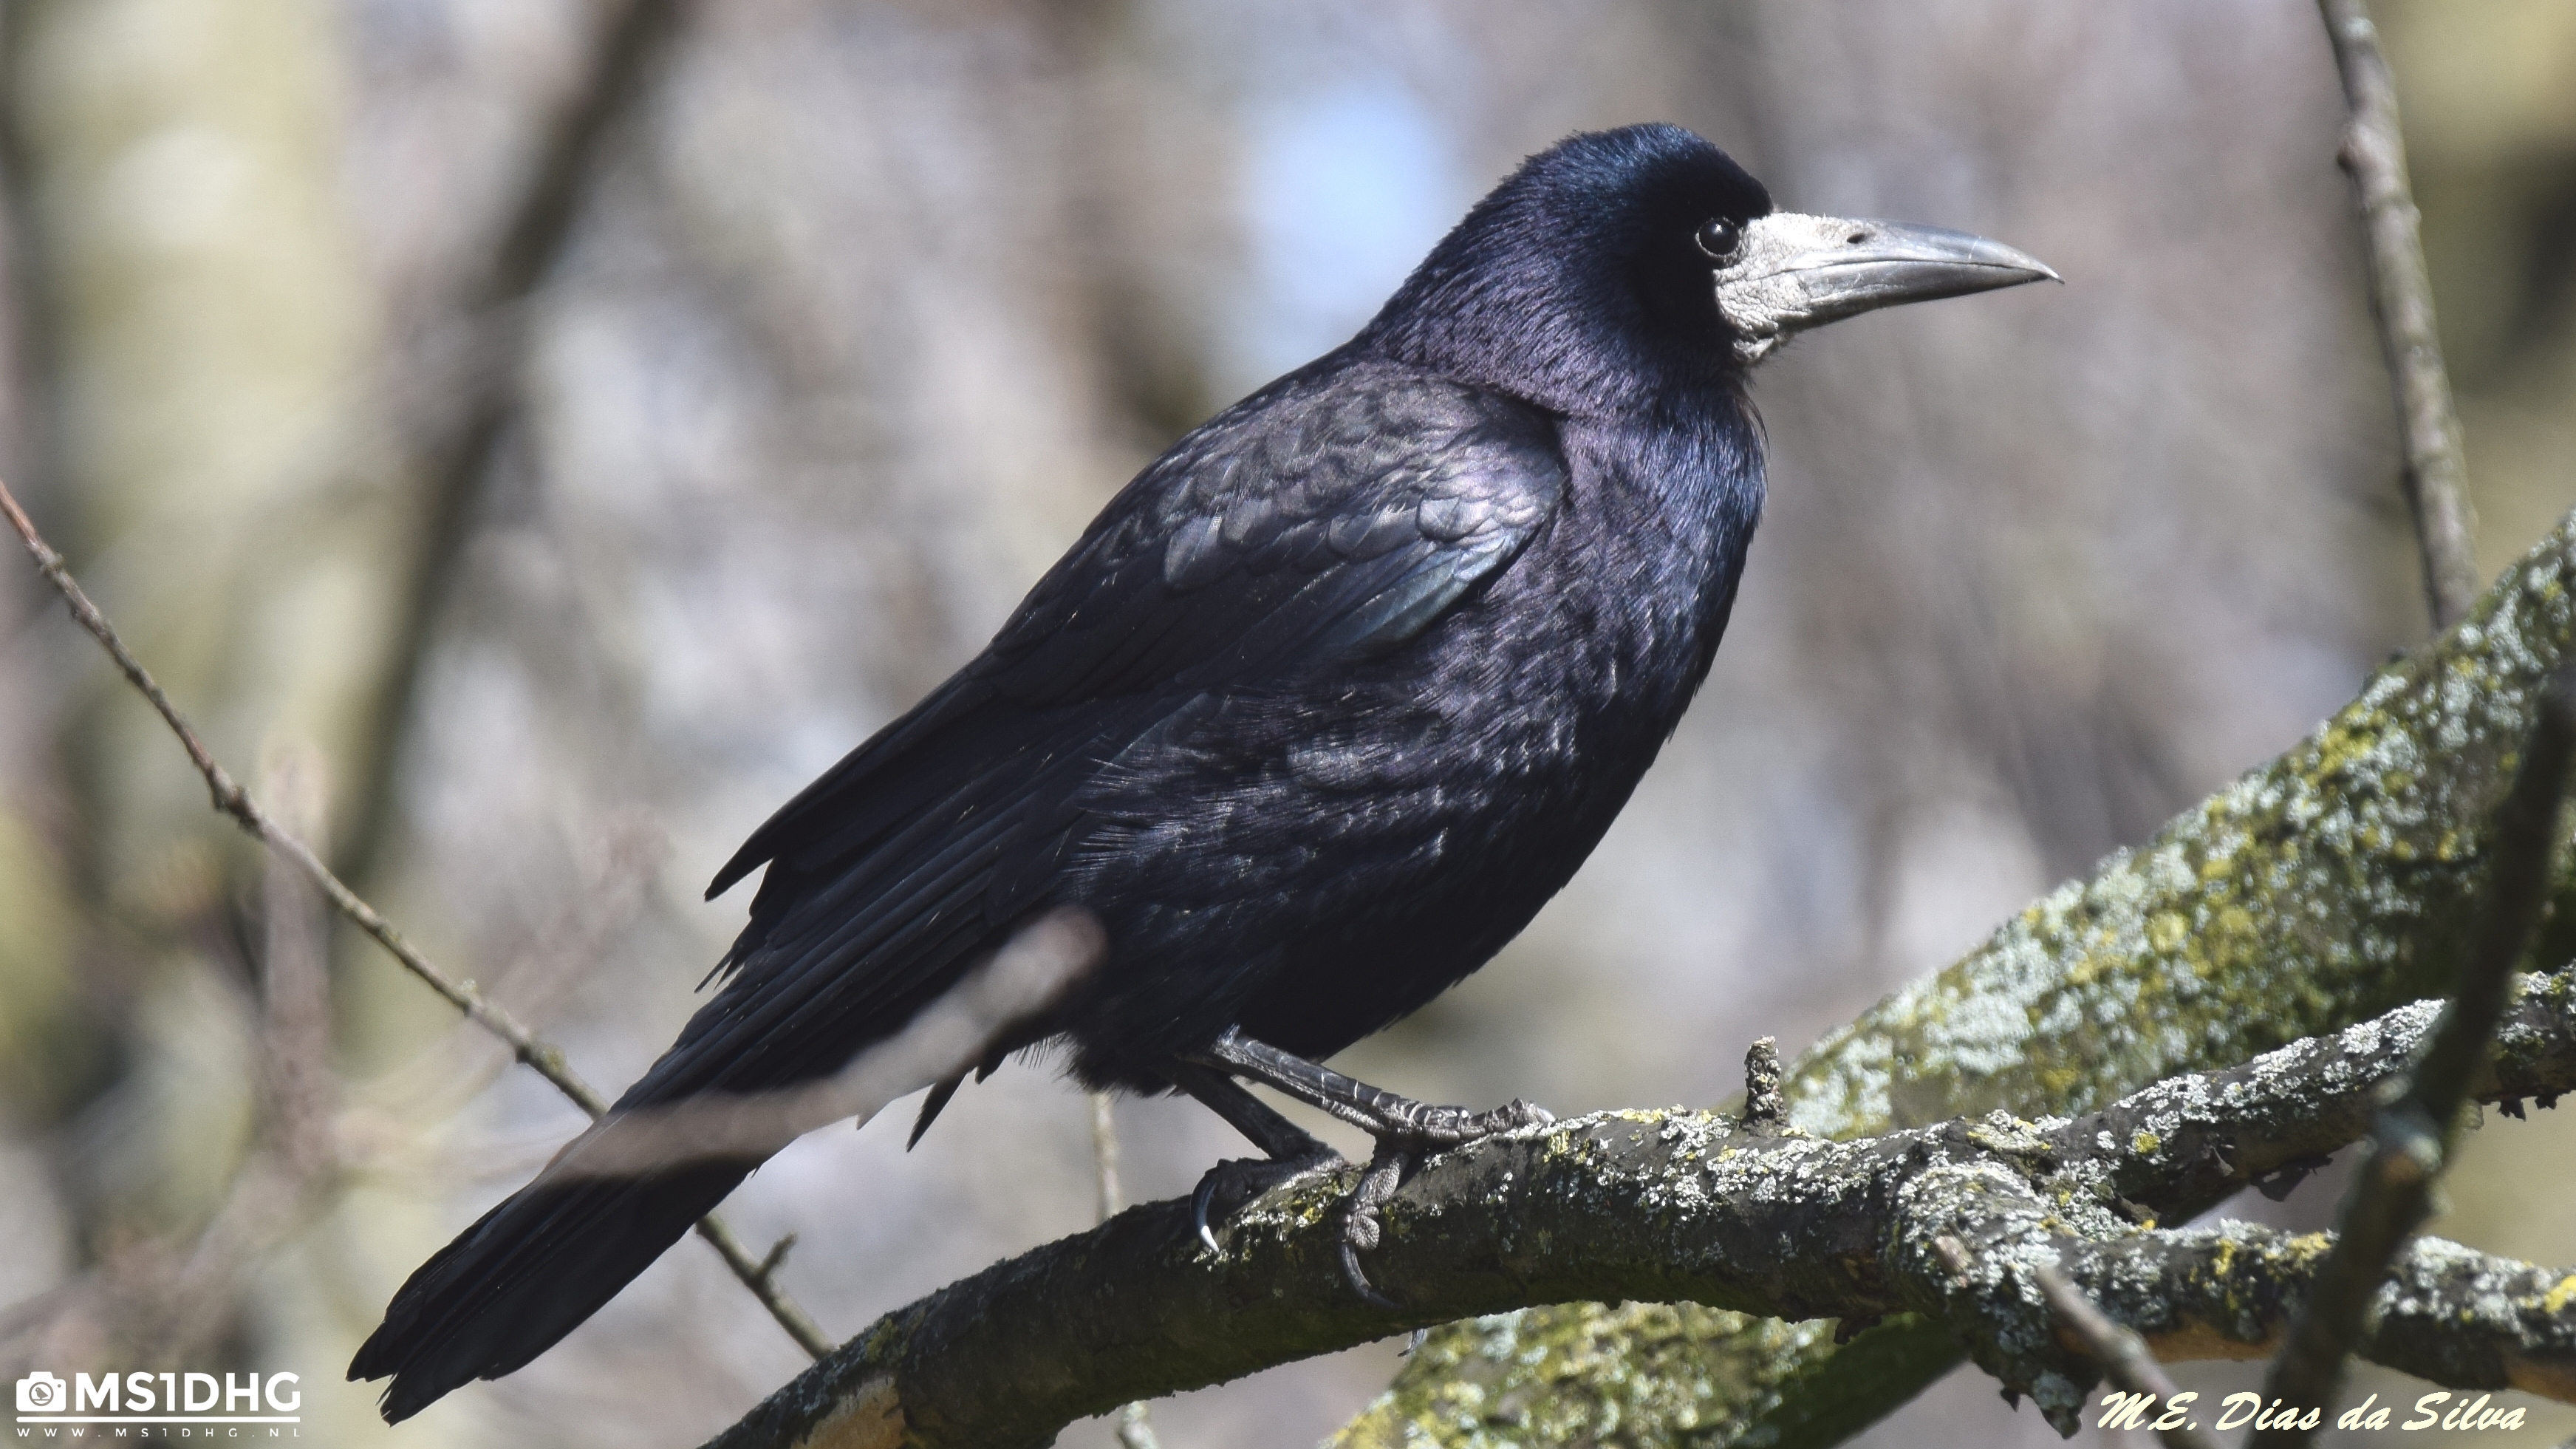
(2121, 1352)
(542, 971)
(231, 799)
(2401, 290)
(295, 986)
(2410, 1144)
(1135, 1427)
(1104, 1155)
(759, 1275)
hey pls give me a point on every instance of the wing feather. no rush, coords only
(1338, 515)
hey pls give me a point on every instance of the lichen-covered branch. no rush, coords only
(2412, 1138)
(2319, 890)
(2183, 1144)
(2126, 1358)
(1667, 1207)
(2322, 888)
(2442, 1312)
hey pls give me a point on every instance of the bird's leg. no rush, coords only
(1292, 1149)
(1402, 1127)
(1379, 1113)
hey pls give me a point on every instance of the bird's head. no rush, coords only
(1616, 264)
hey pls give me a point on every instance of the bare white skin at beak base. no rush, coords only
(1793, 271)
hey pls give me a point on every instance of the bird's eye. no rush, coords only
(1718, 238)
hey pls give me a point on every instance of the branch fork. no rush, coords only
(1672, 1206)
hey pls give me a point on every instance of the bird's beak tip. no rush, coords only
(2042, 271)
(1994, 254)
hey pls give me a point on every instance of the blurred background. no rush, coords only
(529, 554)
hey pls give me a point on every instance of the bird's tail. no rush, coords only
(529, 1272)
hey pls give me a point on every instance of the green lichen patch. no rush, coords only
(2322, 888)
(1587, 1374)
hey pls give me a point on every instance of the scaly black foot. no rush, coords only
(1230, 1184)
(1405, 1130)
(1388, 1167)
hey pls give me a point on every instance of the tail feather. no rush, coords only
(527, 1274)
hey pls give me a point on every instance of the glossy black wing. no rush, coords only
(1332, 517)
(1306, 527)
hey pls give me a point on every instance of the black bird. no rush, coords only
(1311, 720)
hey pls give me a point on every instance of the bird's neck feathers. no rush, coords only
(1541, 332)
(1689, 471)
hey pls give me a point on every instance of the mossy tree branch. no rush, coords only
(1685, 1206)
(2414, 1137)
(2316, 891)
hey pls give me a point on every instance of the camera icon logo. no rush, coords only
(41, 1393)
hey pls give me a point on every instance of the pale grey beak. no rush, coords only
(1792, 272)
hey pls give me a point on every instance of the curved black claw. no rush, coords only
(1225, 1188)
(1387, 1169)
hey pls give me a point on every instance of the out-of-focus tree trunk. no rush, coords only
(209, 325)
(208, 328)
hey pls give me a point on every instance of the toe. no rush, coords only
(1362, 1231)
(1358, 1280)
(1231, 1185)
